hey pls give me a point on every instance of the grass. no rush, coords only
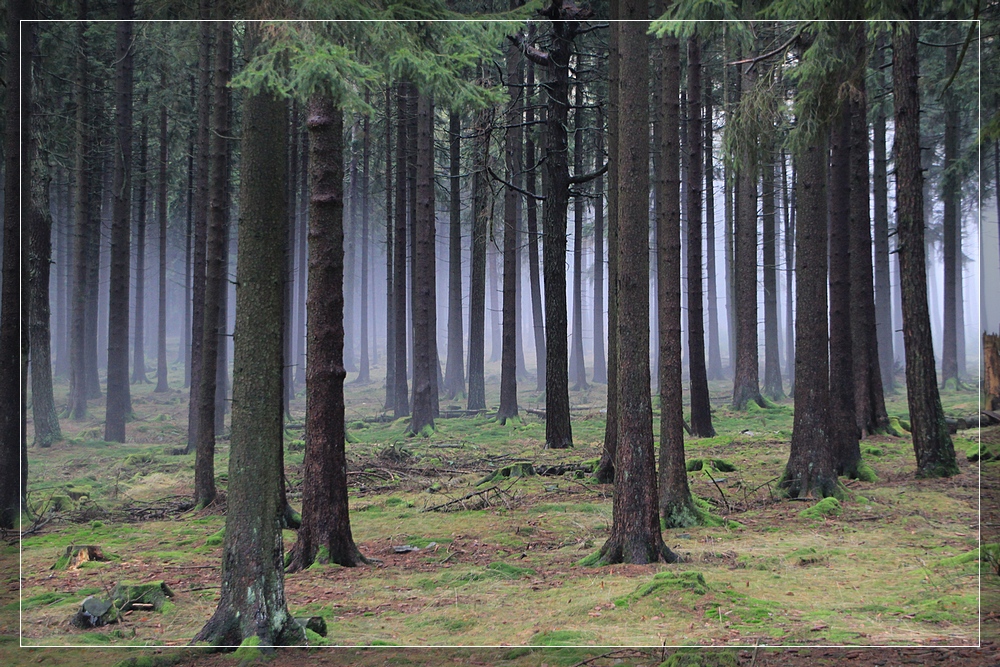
(892, 567)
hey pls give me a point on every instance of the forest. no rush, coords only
(570, 332)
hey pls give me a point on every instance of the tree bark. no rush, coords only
(161, 213)
(714, 347)
(843, 422)
(810, 469)
(880, 188)
(511, 206)
(531, 166)
(364, 363)
(204, 466)
(288, 331)
(790, 215)
(635, 529)
(119, 403)
(454, 376)
(477, 271)
(600, 360)
(424, 339)
(142, 189)
(950, 197)
(577, 367)
(931, 442)
(675, 503)
(325, 519)
(772, 362)
(745, 378)
(401, 393)
(390, 318)
(701, 408)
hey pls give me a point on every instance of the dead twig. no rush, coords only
(726, 501)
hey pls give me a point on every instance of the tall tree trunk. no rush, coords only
(161, 214)
(43, 407)
(119, 405)
(931, 443)
(531, 166)
(843, 422)
(745, 378)
(16, 181)
(364, 371)
(477, 270)
(288, 331)
(454, 376)
(401, 393)
(675, 503)
(424, 286)
(95, 327)
(577, 367)
(325, 519)
(605, 473)
(790, 214)
(600, 360)
(635, 530)
(714, 348)
(511, 258)
(252, 597)
(301, 191)
(85, 224)
(869, 401)
(493, 287)
(200, 221)
(142, 189)
(62, 220)
(772, 362)
(390, 316)
(701, 408)
(204, 466)
(185, 354)
(949, 196)
(810, 468)
(880, 189)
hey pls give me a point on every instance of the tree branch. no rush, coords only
(514, 187)
(586, 178)
(536, 56)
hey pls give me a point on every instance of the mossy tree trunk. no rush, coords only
(325, 520)
(635, 530)
(675, 502)
(931, 442)
(252, 598)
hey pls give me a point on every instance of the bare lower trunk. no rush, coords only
(401, 394)
(142, 189)
(512, 153)
(454, 376)
(880, 209)
(161, 218)
(772, 363)
(477, 265)
(531, 165)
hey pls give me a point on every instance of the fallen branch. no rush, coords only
(483, 495)
(728, 508)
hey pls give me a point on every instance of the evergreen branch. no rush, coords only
(965, 49)
(770, 54)
(514, 187)
(586, 178)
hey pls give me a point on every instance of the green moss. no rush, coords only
(692, 657)
(559, 638)
(960, 559)
(896, 427)
(873, 451)
(721, 465)
(44, 599)
(216, 539)
(382, 642)
(825, 508)
(315, 639)
(666, 581)
(866, 473)
(248, 650)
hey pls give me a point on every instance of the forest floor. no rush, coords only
(495, 563)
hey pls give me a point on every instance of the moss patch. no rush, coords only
(827, 507)
(691, 657)
(666, 581)
(559, 638)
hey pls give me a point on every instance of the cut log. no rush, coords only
(77, 555)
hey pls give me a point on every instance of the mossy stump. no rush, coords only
(76, 555)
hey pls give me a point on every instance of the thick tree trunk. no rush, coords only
(869, 401)
(401, 393)
(605, 473)
(577, 367)
(252, 596)
(675, 503)
(790, 216)
(745, 378)
(204, 466)
(843, 423)
(477, 270)
(701, 408)
(85, 224)
(200, 221)
(43, 407)
(325, 519)
(161, 216)
(511, 206)
(119, 405)
(931, 442)
(772, 362)
(424, 279)
(635, 529)
(880, 189)
(531, 166)
(810, 469)
(288, 330)
(142, 190)
(558, 432)
(454, 375)
(301, 191)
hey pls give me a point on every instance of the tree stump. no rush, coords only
(77, 555)
(991, 362)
